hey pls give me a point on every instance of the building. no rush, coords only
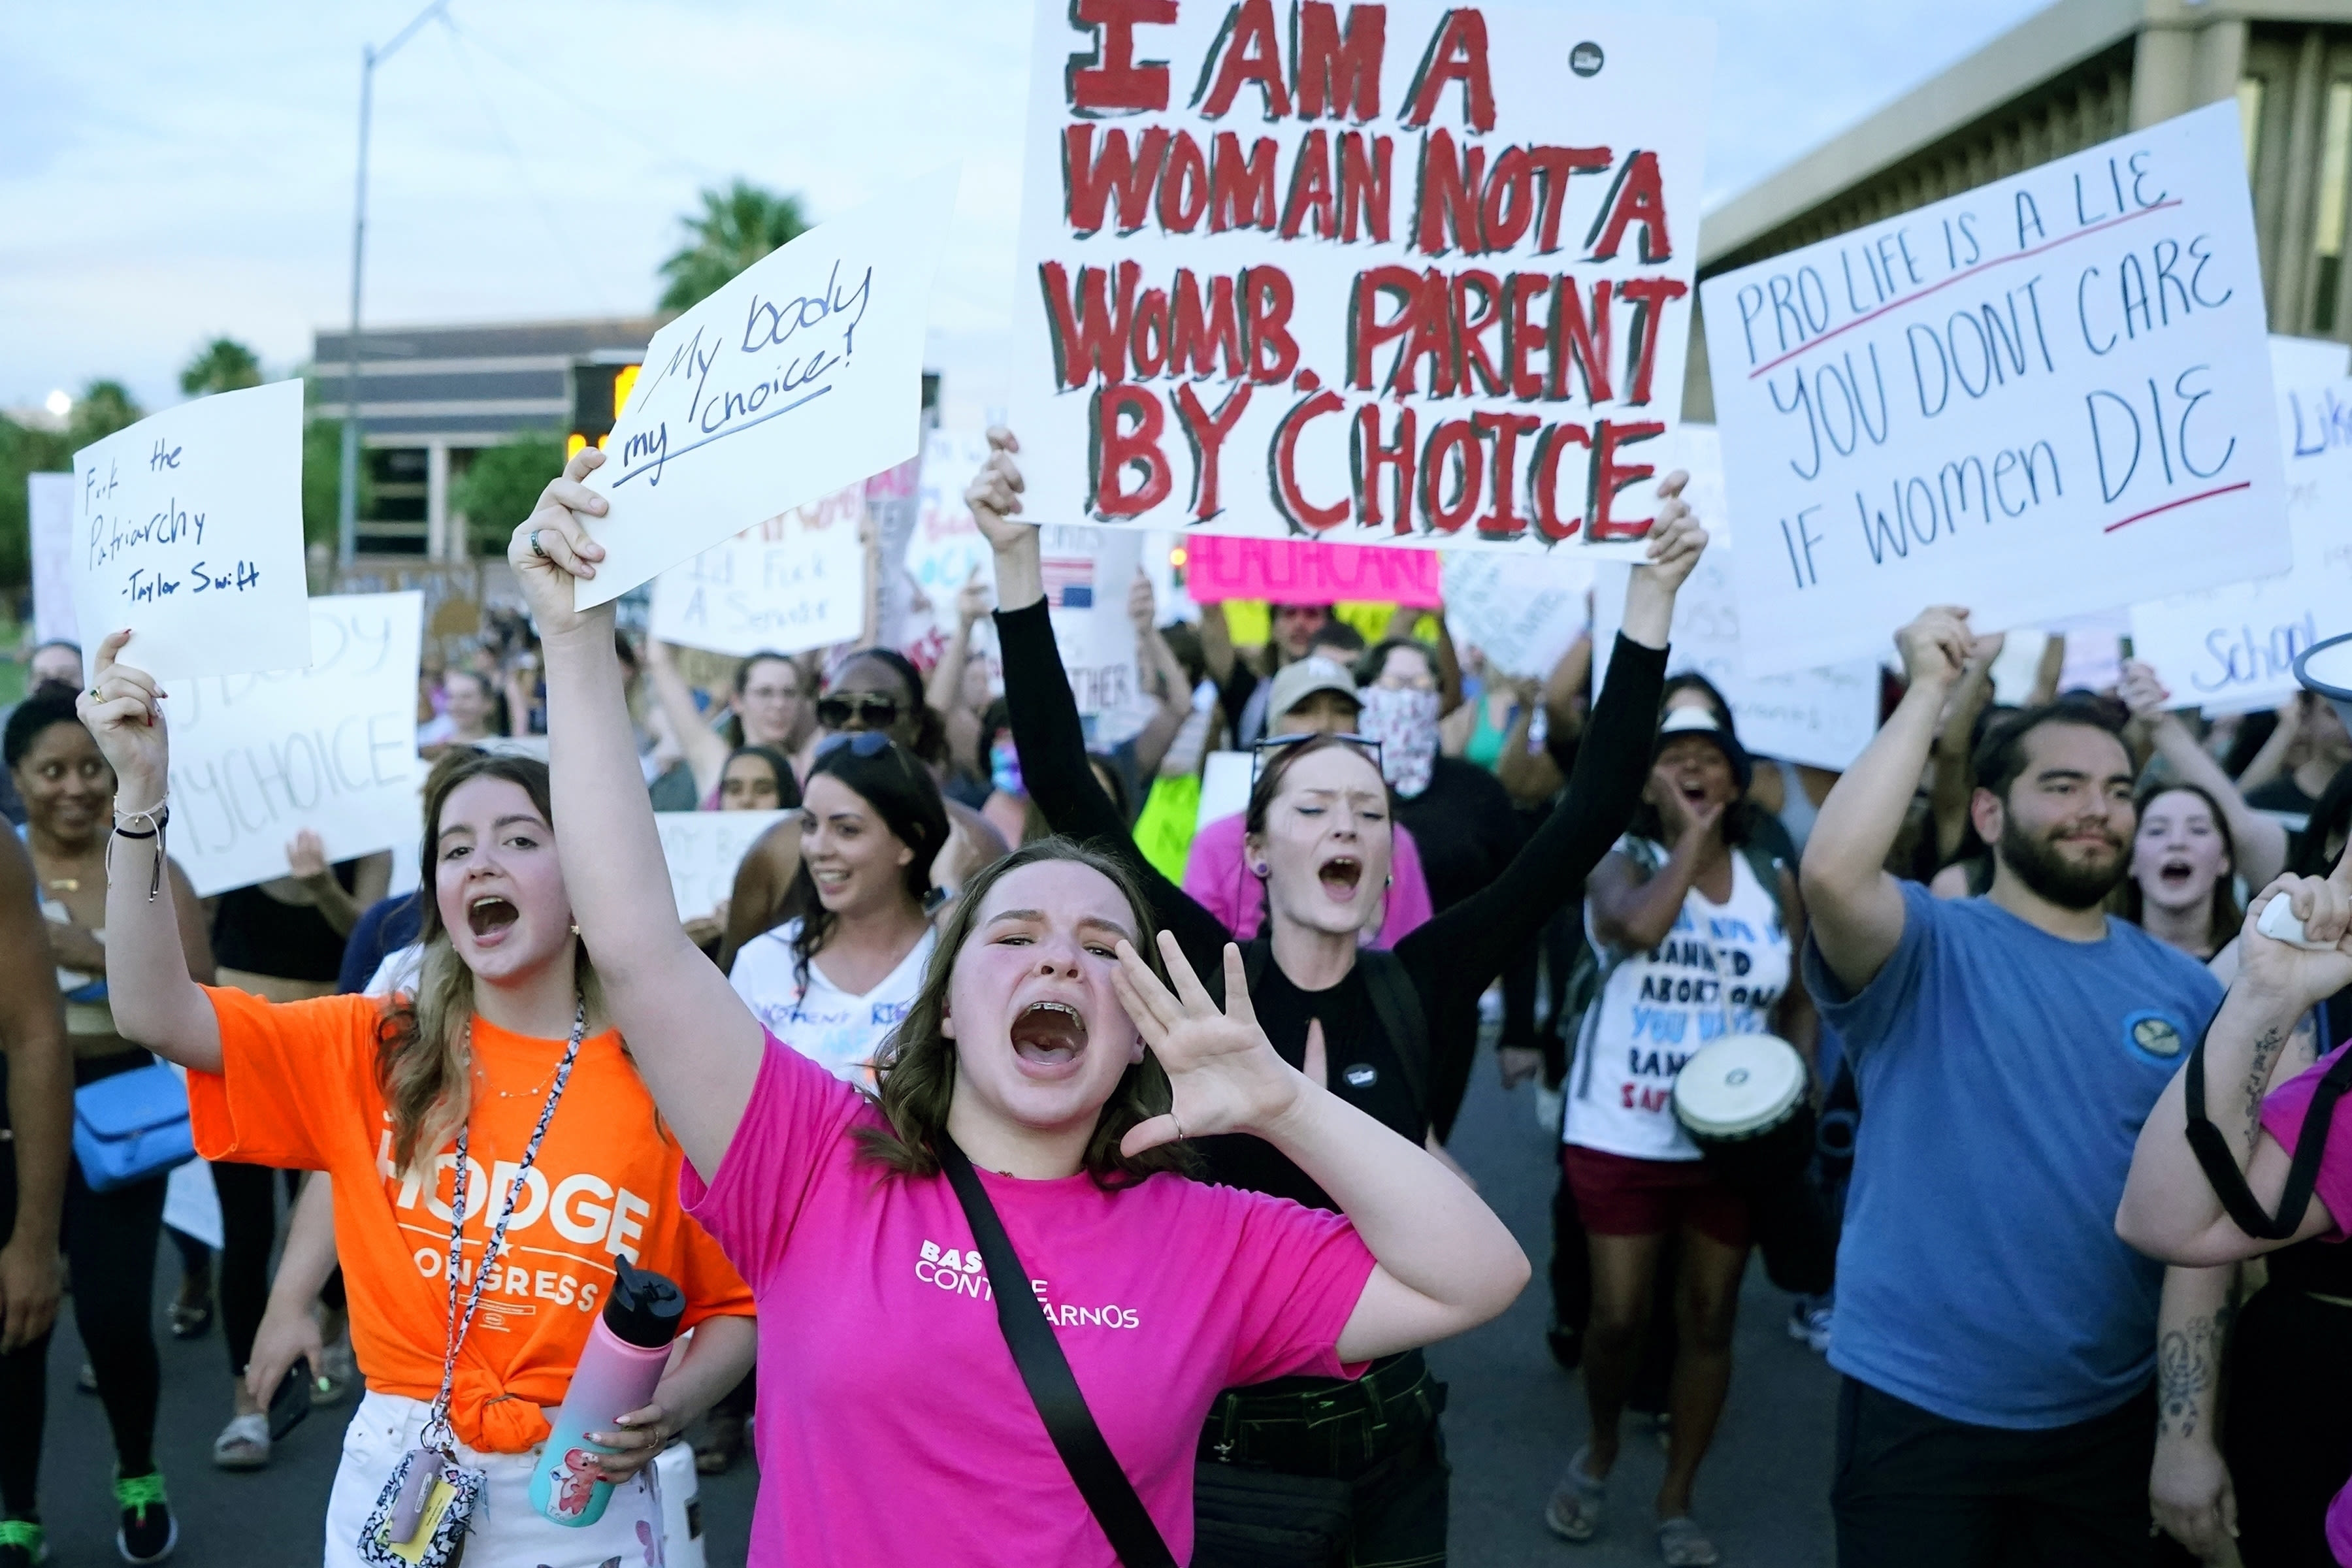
(2069, 77)
(429, 397)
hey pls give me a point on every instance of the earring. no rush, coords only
(575, 928)
(1390, 882)
(1259, 870)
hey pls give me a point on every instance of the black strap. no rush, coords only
(2220, 1160)
(1109, 1495)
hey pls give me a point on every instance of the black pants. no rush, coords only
(248, 1206)
(1916, 1490)
(2289, 1433)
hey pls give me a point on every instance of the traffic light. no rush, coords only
(600, 390)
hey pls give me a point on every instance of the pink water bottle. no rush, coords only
(623, 1360)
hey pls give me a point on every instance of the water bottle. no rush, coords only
(623, 1360)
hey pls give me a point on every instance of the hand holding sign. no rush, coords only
(1937, 646)
(124, 710)
(550, 548)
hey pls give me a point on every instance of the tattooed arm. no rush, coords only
(2188, 1487)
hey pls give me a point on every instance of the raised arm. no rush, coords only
(2261, 840)
(695, 1044)
(40, 1104)
(1526, 770)
(1163, 682)
(151, 981)
(1855, 905)
(1949, 783)
(703, 748)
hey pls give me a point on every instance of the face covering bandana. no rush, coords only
(1005, 768)
(1405, 724)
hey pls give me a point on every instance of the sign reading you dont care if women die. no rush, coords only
(1413, 273)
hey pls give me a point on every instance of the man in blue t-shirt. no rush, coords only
(1997, 1341)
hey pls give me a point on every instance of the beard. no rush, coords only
(2069, 884)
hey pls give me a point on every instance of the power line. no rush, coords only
(600, 117)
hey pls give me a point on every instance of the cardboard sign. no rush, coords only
(2231, 649)
(793, 582)
(2046, 396)
(1522, 615)
(802, 375)
(258, 758)
(946, 548)
(703, 848)
(1302, 572)
(49, 506)
(187, 528)
(1417, 273)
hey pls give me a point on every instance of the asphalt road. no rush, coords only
(1513, 1420)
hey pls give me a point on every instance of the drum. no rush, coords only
(1743, 1101)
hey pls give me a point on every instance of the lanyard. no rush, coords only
(437, 1432)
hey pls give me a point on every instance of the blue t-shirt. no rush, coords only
(2004, 1074)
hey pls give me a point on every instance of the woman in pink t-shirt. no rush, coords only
(894, 1427)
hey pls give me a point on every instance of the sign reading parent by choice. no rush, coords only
(1416, 273)
(187, 528)
(2049, 395)
(801, 375)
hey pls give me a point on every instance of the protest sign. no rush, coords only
(1226, 778)
(892, 498)
(1306, 571)
(793, 582)
(1330, 293)
(258, 758)
(2046, 396)
(703, 848)
(1822, 717)
(187, 528)
(48, 509)
(1088, 572)
(946, 550)
(802, 375)
(2232, 649)
(1522, 615)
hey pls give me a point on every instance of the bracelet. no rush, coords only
(157, 817)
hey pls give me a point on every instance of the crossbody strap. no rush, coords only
(1109, 1495)
(2220, 1161)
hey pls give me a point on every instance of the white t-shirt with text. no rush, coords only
(825, 1023)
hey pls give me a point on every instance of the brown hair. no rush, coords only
(2223, 917)
(916, 1064)
(420, 1055)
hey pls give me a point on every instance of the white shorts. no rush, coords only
(507, 1531)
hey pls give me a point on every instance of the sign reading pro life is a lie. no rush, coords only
(187, 528)
(1416, 273)
(2046, 396)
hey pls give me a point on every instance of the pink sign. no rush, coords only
(1303, 572)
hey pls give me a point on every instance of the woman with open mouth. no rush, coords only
(1023, 1149)
(1401, 1026)
(491, 1147)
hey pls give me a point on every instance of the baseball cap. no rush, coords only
(1698, 721)
(1295, 682)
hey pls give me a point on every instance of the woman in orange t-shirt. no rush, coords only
(377, 1095)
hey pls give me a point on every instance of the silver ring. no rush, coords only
(535, 550)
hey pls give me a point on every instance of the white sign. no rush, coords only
(1417, 273)
(792, 582)
(1088, 572)
(258, 758)
(801, 375)
(1522, 615)
(1225, 780)
(2046, 396)
(947, 547)
(1822, 717)
(703, 848)
(187, 528)
(48, 503)
(2232, 649)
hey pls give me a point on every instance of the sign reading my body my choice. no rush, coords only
(187, 528)
(2047, 397)
(1416, 273)
(801, 375)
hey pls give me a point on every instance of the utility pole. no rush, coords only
(347, 511)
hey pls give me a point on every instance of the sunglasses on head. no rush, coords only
(1261, 748)
(872, 710)
(861, 742)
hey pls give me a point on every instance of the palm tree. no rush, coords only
(222, 364)
(737, 227)
(104, 407)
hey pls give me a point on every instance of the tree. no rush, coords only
(222, 364)
(737, 227)
(23, 451)
(501, 485)
(322, 481)
(104, 407)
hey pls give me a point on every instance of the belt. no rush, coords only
(1397, 1392)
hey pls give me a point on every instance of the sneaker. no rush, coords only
(1566, 1344)
(1808, 1323)
(23, 1543)
(148, 1532)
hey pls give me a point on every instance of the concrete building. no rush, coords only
(2069, 77)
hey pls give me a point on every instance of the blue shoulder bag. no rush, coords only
(132, 1126)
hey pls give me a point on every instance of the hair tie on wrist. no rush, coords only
(157, 817)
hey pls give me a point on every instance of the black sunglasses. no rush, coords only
(870, 708)
(1259, 749)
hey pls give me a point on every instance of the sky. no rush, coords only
(169, 173)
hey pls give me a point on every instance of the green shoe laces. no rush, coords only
(140, 1492)
(22, 1533)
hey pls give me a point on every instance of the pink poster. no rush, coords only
(1302, 572)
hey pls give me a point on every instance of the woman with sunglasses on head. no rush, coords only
(1400, 1026)
(879, 688)
(492, 1150)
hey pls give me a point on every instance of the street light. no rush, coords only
(347, 518)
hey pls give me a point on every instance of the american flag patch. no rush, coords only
(1069, 582)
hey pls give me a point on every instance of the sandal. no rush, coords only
(191, 1311)
(336, 1375)
(243, 1444)
(1683, 1544)
(1578, 1503)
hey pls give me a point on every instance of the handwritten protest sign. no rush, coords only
(2046, 396)
(946, 550)
(1416, 273)
(187, 528)
(2232, 649)
(793, 582)
(1522, 615)
(703, 848)
(1306, 571)
(1087, 574)
(258, 758)
(48, 503)
(803, 374)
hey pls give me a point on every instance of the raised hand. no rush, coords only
(550, 548)
(1223, 1073)
(1676, 538)
(973, 601)
(995, 493)
(2302, 975)
(2141, 691)
(1937, 646)
(306, 858)
(124, 710)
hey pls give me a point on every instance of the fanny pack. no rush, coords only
(132, 1126)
